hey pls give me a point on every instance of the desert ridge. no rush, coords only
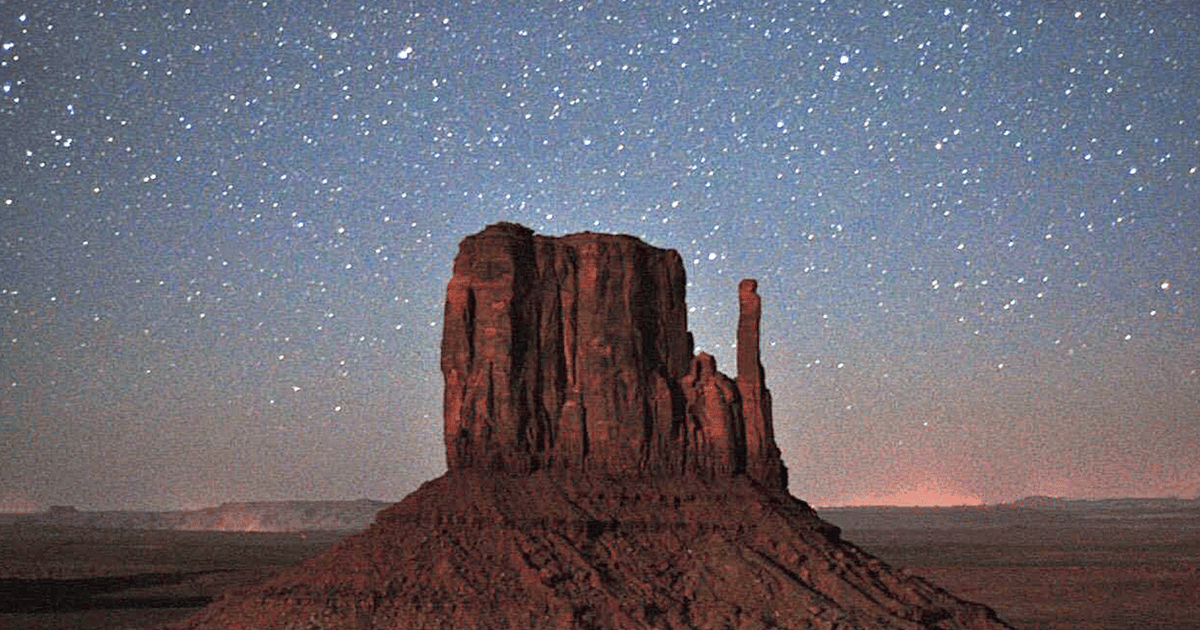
(241, 516)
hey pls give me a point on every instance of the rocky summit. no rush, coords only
(600, 475)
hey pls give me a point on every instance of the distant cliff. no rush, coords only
(262, 516)
(284, 516)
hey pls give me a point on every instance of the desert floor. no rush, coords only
(1105, 565)
(1109, 565)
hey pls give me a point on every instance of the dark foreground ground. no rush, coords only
(1078, 566)
(57, 577)
(1111, 565)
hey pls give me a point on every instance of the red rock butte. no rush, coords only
(600, 476)
(572, 355)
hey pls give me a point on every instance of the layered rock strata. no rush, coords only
(476, 550)
(573, 354)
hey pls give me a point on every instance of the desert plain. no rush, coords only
(1042, 564)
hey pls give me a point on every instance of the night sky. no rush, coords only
(226, 231)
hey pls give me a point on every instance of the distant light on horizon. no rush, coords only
(923, 495)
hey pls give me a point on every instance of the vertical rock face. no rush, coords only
(762, 456)
(573, 354)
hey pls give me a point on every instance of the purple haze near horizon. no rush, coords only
(225, 235)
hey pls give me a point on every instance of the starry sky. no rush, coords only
(226, 231)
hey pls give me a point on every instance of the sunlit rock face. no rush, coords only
(573, 354)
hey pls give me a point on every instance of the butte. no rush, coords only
(600, 475)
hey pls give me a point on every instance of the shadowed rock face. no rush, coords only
(573, 354)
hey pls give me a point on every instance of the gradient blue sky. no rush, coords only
(226, 231)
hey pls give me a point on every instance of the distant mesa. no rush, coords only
(282, 516)
(262, 516)
(601, 475)
(1037, 502)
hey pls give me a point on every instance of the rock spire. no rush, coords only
(763, 460)
(572, 354)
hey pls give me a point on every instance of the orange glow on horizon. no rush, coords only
(923, 495)
(18, 503)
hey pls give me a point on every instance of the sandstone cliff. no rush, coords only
(573, 354)
(601, 477)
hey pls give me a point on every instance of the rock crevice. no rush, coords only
(573, 354)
